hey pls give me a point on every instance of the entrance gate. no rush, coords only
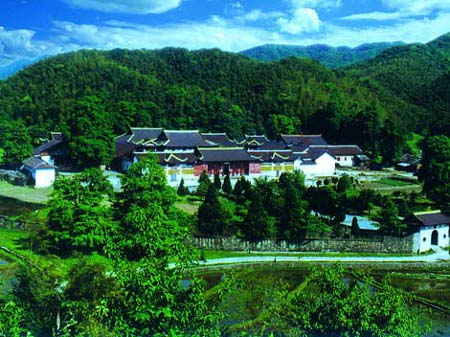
(434, 238)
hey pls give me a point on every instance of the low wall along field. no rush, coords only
(390, 245)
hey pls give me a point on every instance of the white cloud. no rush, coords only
(403, 9)
(20, 43)
(303, 20)
(127, 6)
(299, 27)
(417, 7)
(257, 15)
(237, 5)
(192, 36)
(377, 16)
(408, 30)
(315, 3)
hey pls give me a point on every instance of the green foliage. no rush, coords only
(226, 187)
(151, 299)
(217, 182)
(294, 215)
(203, 184)
(355, 231)
(257, 225)
(89, 133)
(182, 190)
(11, 318)
(212, 218)
(142, 213)
(15, 142)
(78, 217)
(38, 300)
(334, 308)
(333, 57)
(107, 91)
(344, 183)
(388, 218)
(435, 170)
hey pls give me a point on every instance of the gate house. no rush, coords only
(430, 229)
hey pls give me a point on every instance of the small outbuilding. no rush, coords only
(429, 229)
(42, 173)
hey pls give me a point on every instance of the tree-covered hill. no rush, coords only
(415, 73)
(95, 94)
(332, 57)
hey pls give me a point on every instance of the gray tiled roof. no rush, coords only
(305, 140)
(432, 218)
(219, 138)
(37, 163)
(339, 150)
(140, 135)
(208, 155)
(183, 139)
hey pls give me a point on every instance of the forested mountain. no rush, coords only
(95, 94)
(332, 57)
(418, 74)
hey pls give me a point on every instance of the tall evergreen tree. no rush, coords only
(182, 190)
(256, 225)
(217, 182)
(203, 184)
(294, 218)
(435, 170)
(226, 187)
(212, 220)
(355, 227)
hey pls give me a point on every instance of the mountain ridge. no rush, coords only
(332, 57)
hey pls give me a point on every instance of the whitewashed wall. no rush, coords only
(44, 177)
(422, 240)
(324, 166)
(346, 161)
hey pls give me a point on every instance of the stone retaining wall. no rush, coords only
(386, 244)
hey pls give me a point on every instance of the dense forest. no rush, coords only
(332, 57)
(96, 94)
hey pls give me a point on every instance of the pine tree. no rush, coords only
(182, 190)
(256, 224)
(226, 187)
(203, 183)
(211, 216)
(355, 227)
(217, 182)
(238, 189)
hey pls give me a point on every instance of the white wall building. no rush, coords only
(43, 174)
(430, 229)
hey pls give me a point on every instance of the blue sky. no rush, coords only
(33, 28)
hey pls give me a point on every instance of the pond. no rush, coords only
(258, 287)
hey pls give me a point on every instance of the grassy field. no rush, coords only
(396, 183)
(388, 186)
(25, 193)
(16, 241)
